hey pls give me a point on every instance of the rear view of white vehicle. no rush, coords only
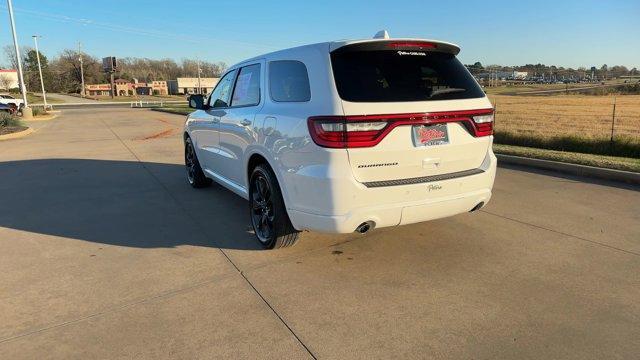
(345, 136)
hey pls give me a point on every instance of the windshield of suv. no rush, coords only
(396, 75)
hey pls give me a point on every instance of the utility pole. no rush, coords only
(44, 94)
(113, 86)
(81, 69)
(199, 86)
(26, 111)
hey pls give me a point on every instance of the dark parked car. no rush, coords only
(9, 108)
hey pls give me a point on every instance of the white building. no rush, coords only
(8, 79)
(520, 75)
(183, 86)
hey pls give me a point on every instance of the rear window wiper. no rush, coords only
(446, 91)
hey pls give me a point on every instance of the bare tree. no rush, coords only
(10, 54)
(5, 82)
(66, 70)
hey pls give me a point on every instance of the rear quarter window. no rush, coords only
(289, 81)
(396, 75)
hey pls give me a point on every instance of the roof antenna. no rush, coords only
(382, 34)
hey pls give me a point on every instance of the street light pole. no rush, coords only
(81, 70)
(199, 85)
(44, 93)
(26, 111)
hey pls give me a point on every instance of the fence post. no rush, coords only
(613, 122)
(495, 114)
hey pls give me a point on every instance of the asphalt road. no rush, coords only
(105, 252)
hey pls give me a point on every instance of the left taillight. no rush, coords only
(339, 132)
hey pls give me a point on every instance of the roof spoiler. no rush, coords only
(420, 45)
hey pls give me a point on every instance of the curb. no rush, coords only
(44, 118)
(572, 169)
(17, 135)
(167, 111)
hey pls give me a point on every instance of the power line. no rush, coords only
(132, 30)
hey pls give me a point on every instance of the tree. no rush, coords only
(5, 82)
(31, 73)
(67, 71)
(10, 54)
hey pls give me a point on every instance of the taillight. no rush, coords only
(483, 124)
(368, 130)
(411, 44)
(338, 132)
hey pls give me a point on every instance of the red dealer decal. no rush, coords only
(426, 135)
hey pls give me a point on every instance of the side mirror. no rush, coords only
(196, 101)
(219, 103)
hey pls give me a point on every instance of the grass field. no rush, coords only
(610, 162)
(175, 109)
(570, 122)
(141, 97)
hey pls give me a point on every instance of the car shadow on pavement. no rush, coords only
(123, 203)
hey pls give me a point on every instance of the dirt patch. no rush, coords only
(161, 134)
(5, 130)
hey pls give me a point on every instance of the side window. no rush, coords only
(289, 81)
(221, 94)
(247, 89)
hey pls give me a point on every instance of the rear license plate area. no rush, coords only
(430, 135)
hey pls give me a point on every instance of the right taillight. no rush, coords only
(483, 124)
(368, 130)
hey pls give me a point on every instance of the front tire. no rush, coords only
(269, 218)
(195, 176)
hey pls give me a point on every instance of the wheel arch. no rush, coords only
(257, 157)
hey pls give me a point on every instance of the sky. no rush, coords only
(565, 33)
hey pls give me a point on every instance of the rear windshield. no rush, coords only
(401, 75)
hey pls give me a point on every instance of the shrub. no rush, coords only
(8, 120)
(38, 111)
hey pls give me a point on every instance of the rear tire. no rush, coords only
(195, 176)
(269, 218)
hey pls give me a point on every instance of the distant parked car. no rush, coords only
(8, 99)
(8, 108)
(345, 136)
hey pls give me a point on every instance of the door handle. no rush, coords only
(245, 122)
(215, 120)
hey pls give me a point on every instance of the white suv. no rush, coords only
(345, 136)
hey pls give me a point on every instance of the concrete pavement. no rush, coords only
(105, 252)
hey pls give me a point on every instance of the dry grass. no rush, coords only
(568, 115)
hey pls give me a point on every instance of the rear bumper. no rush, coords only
(397, 205)
(398, 214)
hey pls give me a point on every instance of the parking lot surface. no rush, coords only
(106, 252)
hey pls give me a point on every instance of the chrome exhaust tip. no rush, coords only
(364, 227)
(477, 207)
